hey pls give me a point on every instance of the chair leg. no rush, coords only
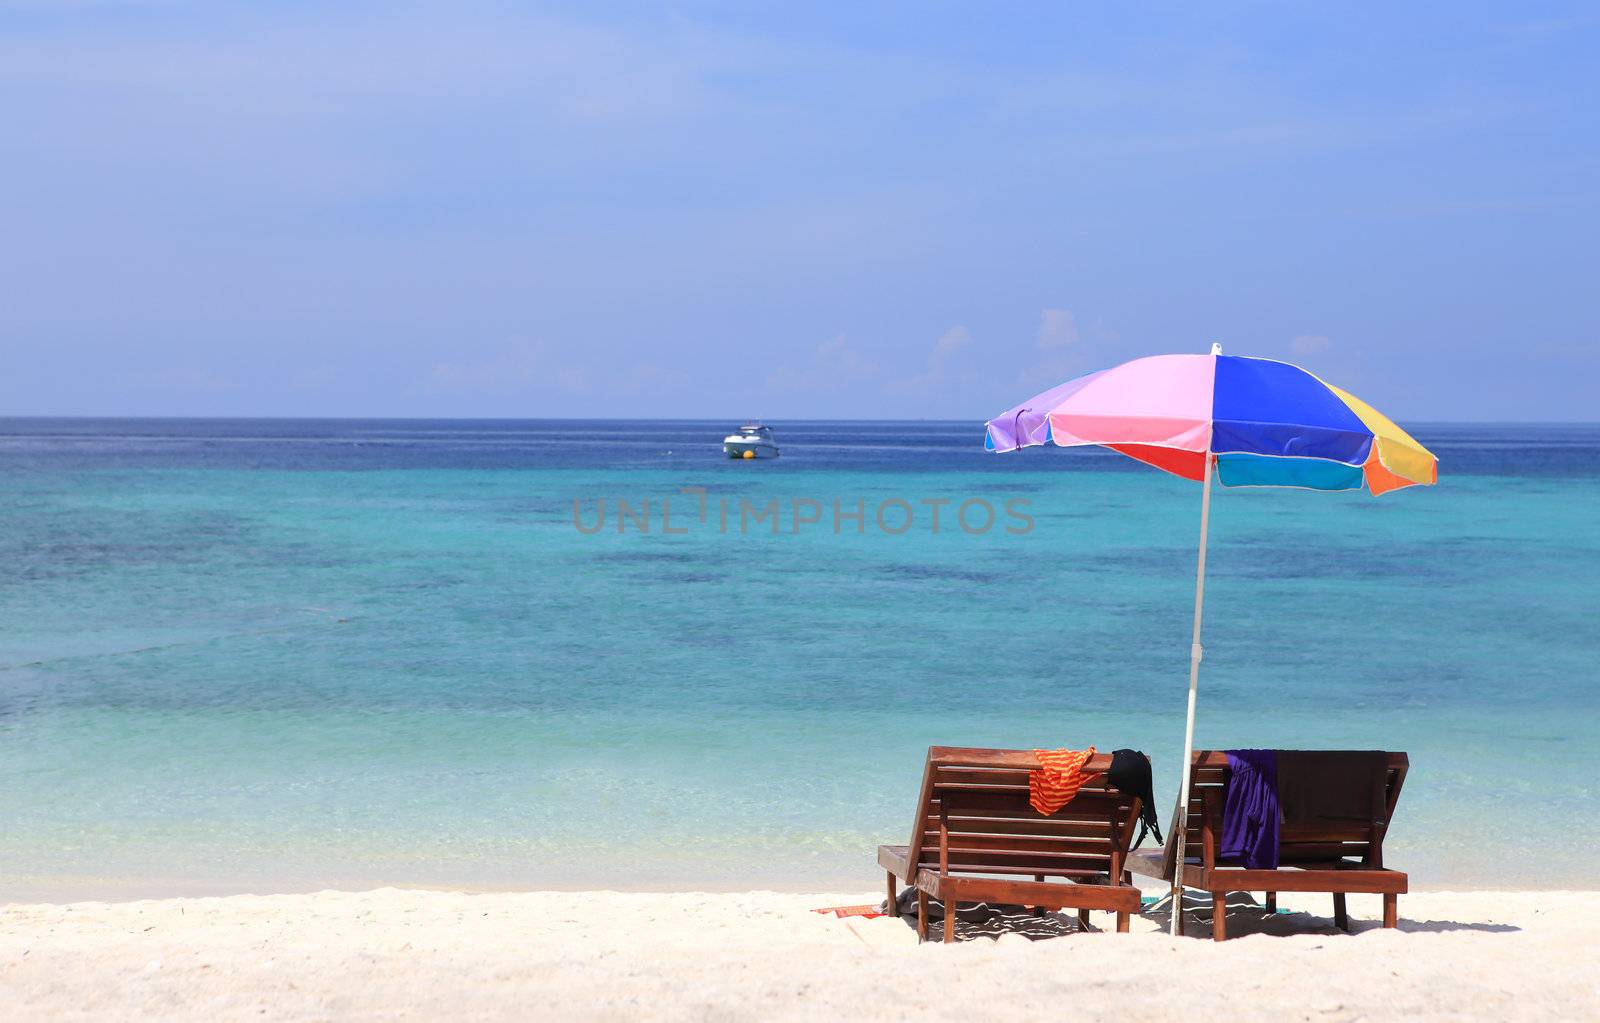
(892, 893)
(949, 920)
(1272, 902)
(1341, 919)
(1219, 916)
(1122, 923)
(922, 916)
(1038, 910)
(1391, 910)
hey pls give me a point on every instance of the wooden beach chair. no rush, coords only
(1327, 857)
(975, 832)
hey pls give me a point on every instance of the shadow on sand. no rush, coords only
(1246, 916)
(1005, 920)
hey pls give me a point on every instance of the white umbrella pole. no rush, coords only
(1182, 823)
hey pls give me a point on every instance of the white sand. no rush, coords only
(430, 955)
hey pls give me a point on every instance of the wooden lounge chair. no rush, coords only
(974, 822)
(1327, 857)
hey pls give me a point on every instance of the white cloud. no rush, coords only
(1059, 343)
(950, 342)
(1058, 328)
(833, 364)
(838, 355)
(937, 369)
(1308, 344)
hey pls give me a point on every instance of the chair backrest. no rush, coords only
(981, 797)
(1208, 780)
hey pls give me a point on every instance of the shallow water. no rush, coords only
(288, 654)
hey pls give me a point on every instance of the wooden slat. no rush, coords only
(1029, 841)
(986, 775)
(1078, 896)
(1043, 826)
(1044, 869)
(1356, 837)
(895, 859)
(1296, 880)
(964, 802)
(1021, 792)
(966, 756)
(925, 806)
(1042, 847)
(945, 789)
(1016, 772)
(1000, 854)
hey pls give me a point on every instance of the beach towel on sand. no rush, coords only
(1058, 779)
(871, 912)
(967, 912)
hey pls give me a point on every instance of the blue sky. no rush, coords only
(789, 210)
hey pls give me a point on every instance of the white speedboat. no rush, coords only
(752, 441)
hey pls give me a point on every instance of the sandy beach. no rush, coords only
(411, 954)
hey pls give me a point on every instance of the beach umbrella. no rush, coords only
(1242, 422)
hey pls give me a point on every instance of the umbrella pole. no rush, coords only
(1195, 652)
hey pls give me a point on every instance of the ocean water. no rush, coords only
(277, 655)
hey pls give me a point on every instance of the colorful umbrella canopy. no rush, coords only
(1267, 424)
(1246, 423)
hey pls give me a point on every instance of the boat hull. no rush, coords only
(738, 448)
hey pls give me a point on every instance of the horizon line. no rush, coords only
(655, 419)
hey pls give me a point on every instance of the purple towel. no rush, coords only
(1250, 809)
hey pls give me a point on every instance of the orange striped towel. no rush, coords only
(870, 912)
(1058, 779)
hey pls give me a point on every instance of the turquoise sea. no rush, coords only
(290, 654)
